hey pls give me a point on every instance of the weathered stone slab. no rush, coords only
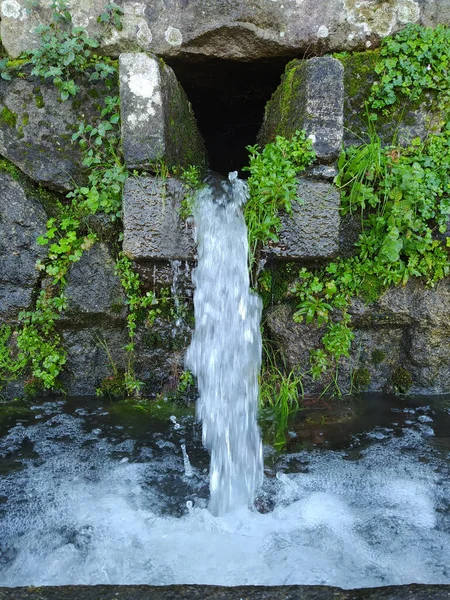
(311, 97)
(312, 231)
(22, 220)
(158, 125)
(237, 30)
(93, 289)
(36, 129)
(153, 229)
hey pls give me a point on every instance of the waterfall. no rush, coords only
(225, 352)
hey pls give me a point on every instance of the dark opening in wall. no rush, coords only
(228, 99)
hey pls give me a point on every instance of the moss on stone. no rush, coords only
(401, 380)
(378, 356)
(49, 200)
(361, 378)
(39, 99)
(8, 117)
(359, 76)
(285, 109)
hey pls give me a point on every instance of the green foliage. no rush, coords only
(140, 306)
(192, 178)
(273, 187)
(415, 60)
(280, 396)
(39, 343)
(402, 198)
(112, 16)
(66, 51)
(185, 382)
(12, 361)
(102, 157)
(63, 53)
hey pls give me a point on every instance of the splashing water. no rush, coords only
(225, 353)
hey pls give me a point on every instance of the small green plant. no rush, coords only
(185, 382)
(280, 395)
(65, 51)
(192, 178)
(40, 344)
(12, 360)
(414, 61)
(272, 188)
(401, 380)
(112, 16)
(140, 306)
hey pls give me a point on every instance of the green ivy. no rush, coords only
(273, 187)
(140, 306)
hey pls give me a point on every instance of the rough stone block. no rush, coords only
(36, 129)
(157, 120)
(93, 289)
(22, 220)
(310, 97)
(312, 231)
(153, 229)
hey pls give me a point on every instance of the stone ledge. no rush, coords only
(208, 592)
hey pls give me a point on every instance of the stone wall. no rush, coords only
(406, 329)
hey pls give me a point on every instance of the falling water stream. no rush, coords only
(90, 494)
(225, 353)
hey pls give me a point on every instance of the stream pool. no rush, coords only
(91, 494)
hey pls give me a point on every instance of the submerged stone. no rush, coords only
(208, 592)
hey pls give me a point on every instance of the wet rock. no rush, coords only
(229, 29)
(312, 231)
(22, 220)
(407, 328)
(36, 128)
(310, 97)
(158, 125)
(209, 592)
(160, 351)
(94, 292)
(153, 229)
(295, 341)
(92, 355)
